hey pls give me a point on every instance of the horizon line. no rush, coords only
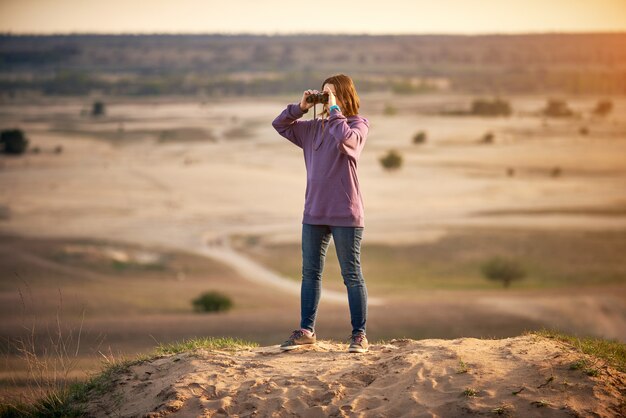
(278, 34)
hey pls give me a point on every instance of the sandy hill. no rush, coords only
(524, 376)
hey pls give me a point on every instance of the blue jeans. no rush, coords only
(347, 239)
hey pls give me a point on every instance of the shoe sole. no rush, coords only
(293, 347)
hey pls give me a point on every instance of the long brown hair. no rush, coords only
(345, 92)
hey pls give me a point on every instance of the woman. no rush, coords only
(333, 202)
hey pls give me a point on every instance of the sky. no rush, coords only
(277, 17)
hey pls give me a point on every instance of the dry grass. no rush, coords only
(554, 259)
(50, 364)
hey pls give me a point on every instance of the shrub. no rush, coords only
(419, 138)
(97, 109)
(212, 302)
(603, 108)
(389, 110)
(13, 141)
(557, 109)
(488, 138)
(409, 87)
(503, 269)
(495, 107)
(391, 161)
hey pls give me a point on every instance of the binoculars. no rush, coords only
(317, 98)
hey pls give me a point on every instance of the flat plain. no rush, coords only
(159, 200)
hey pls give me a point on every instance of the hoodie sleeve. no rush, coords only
(287, 125)
(350, 140)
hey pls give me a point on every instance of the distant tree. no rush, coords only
(212, 302)
(502, 269)
(13, 141)
(391, 161)
(495, 107)
(408, 87)
(389, 110)
(419, 138)
(98, 109)
(603, 108)
(556, 108)
(488, 138)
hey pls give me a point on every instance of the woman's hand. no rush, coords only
(332, 100)
(304, 105)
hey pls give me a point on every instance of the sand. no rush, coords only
(178, 192)
(400, 378)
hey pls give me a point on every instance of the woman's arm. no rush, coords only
(288, 125)
(350, 139)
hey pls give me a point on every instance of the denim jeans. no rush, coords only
(315, 241)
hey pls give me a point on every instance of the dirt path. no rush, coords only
(221, 250)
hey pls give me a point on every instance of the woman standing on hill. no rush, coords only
(333, 202)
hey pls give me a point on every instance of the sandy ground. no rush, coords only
(177, 193)
(402, 378)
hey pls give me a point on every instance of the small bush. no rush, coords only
(98, 109)
(412, 87)
(212, 302)
(391, 161)
(557, 109)
(495, 107)
(389, 110)
(503, 270)
(419, 138)
(13, 141)
(488, 138)
(603, 108)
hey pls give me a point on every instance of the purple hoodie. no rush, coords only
(333, 196)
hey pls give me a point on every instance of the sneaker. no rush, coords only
(298, 338)
(358, 343)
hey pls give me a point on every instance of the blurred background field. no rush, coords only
(152, 175)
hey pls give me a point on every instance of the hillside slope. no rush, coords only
(524, 376)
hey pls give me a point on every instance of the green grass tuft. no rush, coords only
(612, 351)
(463, 368)
(470, 392)
(504, 409)
(208, 343)
(578, 364)
(70, 403)
(542, 403)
